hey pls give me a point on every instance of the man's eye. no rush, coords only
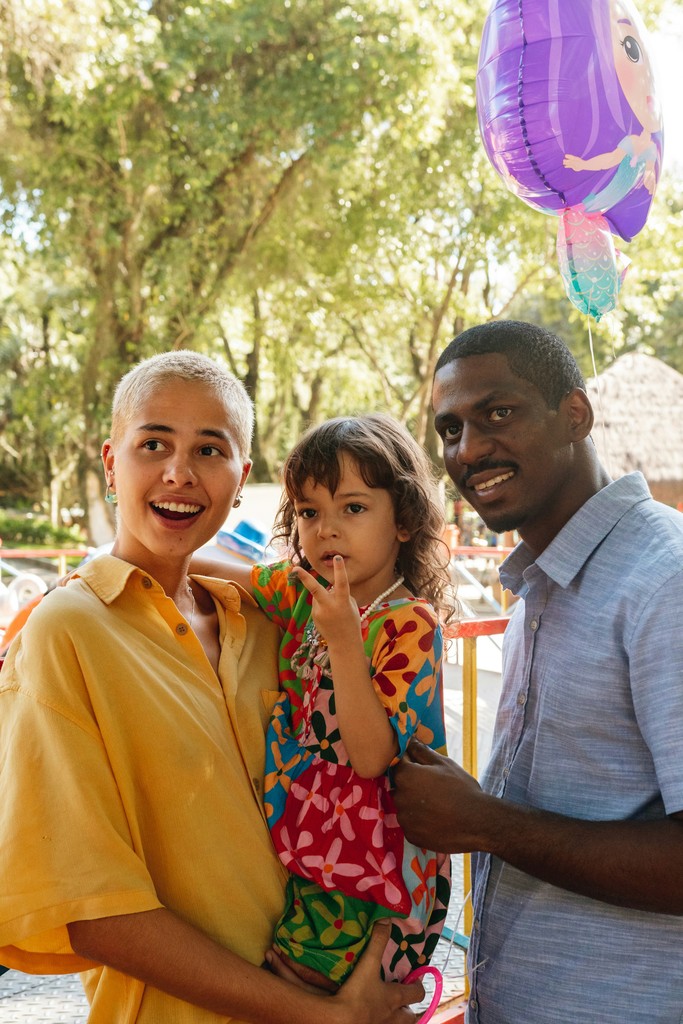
(452, 432)
(500, 414)
(154, 445)
(209, 449)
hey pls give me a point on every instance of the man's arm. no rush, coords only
(161, 950)
(637, 864)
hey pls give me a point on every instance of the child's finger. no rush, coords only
(310, 582)
(341, 580)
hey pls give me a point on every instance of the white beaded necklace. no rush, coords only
(314, 638)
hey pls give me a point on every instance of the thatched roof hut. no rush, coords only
(638, 403)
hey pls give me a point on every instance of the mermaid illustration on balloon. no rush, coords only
(637, 155)
(569, 117)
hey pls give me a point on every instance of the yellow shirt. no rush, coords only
(131, 778)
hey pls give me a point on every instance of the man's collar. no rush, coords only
(571, 548)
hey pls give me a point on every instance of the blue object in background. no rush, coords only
(248, 540)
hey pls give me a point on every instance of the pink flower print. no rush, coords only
(328, 866)
(383, 820)
(340, 807)
(309, 798)
(392, 893)
(288, 851)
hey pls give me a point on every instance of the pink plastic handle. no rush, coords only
(420, 972)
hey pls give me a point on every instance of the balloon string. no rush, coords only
(599, 393)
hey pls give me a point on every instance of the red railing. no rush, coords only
(61, 554)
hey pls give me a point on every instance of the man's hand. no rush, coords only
(440, 806)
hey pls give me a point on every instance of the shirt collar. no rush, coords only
(108, 576)
(568, 552)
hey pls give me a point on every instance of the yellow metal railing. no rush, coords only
(469, 631)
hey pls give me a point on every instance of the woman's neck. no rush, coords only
(170, 573)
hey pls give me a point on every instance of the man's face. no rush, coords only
(507, 452)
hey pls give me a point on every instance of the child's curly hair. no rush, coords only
(386, 456)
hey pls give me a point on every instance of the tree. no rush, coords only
(299, 190)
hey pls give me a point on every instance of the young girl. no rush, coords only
(360, 673)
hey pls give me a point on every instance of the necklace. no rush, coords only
(317, 652)
(191, 593)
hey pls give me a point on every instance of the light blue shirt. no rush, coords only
(590, 725)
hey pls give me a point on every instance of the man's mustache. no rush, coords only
(484, 466)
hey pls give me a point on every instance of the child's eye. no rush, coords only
(355, 507)
(306, 513)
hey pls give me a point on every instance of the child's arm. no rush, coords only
(365, 729)
(223, 568)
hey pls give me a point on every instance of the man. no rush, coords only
(578, 824)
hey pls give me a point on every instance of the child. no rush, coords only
(360, 671)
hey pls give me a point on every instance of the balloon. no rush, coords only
(589, 262)
(569, 118)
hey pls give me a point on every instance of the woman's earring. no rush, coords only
(110, 496)
(238, 500)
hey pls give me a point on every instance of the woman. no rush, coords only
(132, 745)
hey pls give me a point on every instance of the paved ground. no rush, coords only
(25, 998)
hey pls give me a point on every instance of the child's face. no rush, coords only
(356, 522)
(177, 470)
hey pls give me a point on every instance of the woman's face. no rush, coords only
(176, 469)
(632, 64)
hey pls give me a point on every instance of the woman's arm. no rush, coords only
(222, 568)
(161, 950)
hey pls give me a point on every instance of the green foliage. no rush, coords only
(26, 531)
(296, 187)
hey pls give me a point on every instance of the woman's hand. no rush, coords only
(365, 999)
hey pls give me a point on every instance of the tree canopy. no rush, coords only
(296, 187)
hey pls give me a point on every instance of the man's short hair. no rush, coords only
(533, 353)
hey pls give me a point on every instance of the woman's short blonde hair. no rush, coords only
(184, 367)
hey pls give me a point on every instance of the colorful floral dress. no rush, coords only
(337, 833)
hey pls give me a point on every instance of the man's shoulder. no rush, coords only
(655, 532)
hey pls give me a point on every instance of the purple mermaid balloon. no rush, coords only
(569, 117)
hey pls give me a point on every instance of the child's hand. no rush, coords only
(335, 613)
